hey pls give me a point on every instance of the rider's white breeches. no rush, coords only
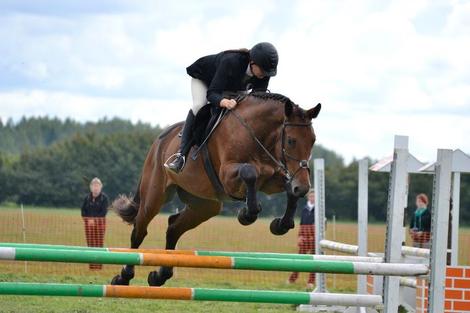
(199, 94)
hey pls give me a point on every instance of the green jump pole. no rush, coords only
(197, 294)
(263, 255)
(242, 263)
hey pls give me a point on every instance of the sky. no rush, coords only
(379, 68)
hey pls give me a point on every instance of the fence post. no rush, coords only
(362, 221)
(439, 230)
(319, 185)
(395, 237)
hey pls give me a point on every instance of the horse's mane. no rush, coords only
(271, 96)
(288, 103)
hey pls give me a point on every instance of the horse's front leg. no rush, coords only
(281, 225)
(249, 175)
(231, 176)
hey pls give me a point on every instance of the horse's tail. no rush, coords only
(126, 207)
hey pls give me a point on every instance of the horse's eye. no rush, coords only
(291, 141)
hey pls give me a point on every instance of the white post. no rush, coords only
(23, 230)
(319, 185)
(362, 209)
(439, 230)
(454, 261)
(395, 237)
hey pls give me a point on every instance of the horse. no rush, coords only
(264, 144)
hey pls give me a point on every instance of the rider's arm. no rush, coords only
(220, 80)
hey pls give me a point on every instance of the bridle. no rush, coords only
(303, 164)
(282, 163)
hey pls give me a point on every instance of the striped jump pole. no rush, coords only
(220, 262)
(353, 249)
(197, 294)
(261, 255)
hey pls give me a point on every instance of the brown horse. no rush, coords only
(264, 144)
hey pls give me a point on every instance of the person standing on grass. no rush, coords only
(420, 226)
(94, 210)
(306, 237)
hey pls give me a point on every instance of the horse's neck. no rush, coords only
(265, 119)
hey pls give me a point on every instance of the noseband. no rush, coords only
(282, 163)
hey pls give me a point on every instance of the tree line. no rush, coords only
(49, 162)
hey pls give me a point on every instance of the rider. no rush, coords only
(212, 75)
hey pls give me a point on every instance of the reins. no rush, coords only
(282, 164)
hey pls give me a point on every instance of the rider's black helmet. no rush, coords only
(264, 54)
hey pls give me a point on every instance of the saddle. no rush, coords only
(207, 120)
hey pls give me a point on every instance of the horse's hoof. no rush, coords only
(127, 273)
(245, 218)
(278, 228)
(159, 278)
(119, 280)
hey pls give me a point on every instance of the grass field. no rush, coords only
(222, 233)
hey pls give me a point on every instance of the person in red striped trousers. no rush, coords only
(306, 236)
(94, 210)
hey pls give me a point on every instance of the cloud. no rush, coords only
(16, 104)
(379, 67)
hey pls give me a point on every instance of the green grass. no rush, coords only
(64, 226)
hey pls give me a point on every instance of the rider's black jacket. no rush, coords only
(225, 71)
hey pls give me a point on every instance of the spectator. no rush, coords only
(306, 236)
(420, 226)
(94, 209)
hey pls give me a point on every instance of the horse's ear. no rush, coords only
(313, 112)
(288, 108)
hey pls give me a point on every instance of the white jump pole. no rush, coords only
(439, 230)
(353, 249)
(397, 201)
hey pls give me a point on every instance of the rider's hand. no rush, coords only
(228, 103)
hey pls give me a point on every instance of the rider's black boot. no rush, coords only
(186, 142)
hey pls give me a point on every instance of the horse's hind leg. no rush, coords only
(149, 207)
(196, 211)
(127, 273)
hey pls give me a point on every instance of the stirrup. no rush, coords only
(174, 156)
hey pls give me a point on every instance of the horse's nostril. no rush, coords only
(299, 191)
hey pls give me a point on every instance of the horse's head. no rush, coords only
(297, 139)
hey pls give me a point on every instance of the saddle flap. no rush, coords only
(211, 173)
